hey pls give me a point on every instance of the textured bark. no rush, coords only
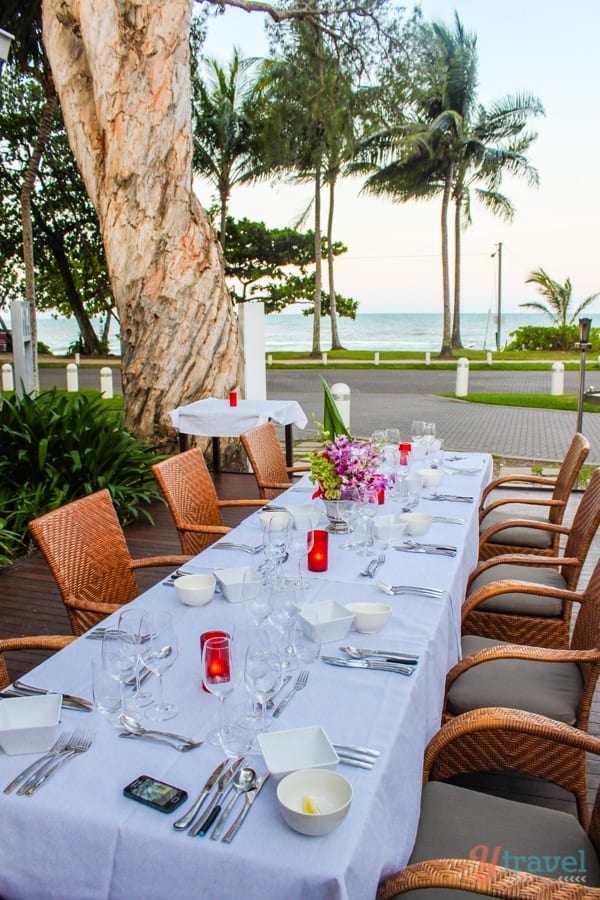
(456, 338)
(121, 68)
(446, 349)
(336, 344)
(316, 339)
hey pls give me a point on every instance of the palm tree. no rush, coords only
(559, 298)
(223, 129)
(444, 143)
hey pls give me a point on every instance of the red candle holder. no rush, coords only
(404, 447)
(317, 556)
(218, 656)
(233, 398)
(381, 496)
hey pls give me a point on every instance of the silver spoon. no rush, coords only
(391, 655)
(244, 780)
(134, 727)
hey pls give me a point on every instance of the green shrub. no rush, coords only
(58, 447)
(532, 337)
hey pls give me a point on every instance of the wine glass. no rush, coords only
(284, 609)
(368, 509)
(116, 663)
(378, 436)
(392, 436)
(220, 672)
(158, 655)
(417, 430)
(133, 632)
(347, 511)
(263, 675)
(301, 542)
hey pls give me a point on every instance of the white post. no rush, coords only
(8, 382)
(270, 359)
(72, 378)
(376, 357)
(488, 357)
(428, 357)
(558, 379)
(341, 395)
(462, 377)
(252, 322)
(77, 359)
(106, 383)
(22, 341)
(324, 358)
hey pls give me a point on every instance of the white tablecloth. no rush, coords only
(80, 838)
(216, 418)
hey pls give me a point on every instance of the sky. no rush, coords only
(393, 260)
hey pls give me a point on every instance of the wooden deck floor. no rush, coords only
(31, 604)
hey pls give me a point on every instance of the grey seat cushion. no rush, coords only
(521, 604)
(551, 689)
(520, 536)
(458, 823)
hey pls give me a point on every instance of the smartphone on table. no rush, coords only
(157, 794)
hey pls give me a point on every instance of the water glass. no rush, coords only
(106, 689)
(368, 508)
(158, 654)
(306, 648)
(392, 436)
(408, 493)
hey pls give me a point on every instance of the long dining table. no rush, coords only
(79, 837)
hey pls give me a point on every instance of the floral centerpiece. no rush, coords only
(345, 467)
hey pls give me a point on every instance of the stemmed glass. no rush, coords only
(301, 541)
(284, 609)
(368, 509)
(263, 675)
(347, 511)
(220, 672)
(417, 430)
(159, 657)
(133, 632)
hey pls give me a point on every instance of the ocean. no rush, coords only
(369, 331)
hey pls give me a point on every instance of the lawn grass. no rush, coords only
(568, 402)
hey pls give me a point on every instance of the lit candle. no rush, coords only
(317, 555)
(217, 655)
(233, 398)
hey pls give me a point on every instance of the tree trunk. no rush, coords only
(336, 344)
(456, 338)
(316, 343)
(122, 71)
(31, 174)
(223, 217)
(446, 349)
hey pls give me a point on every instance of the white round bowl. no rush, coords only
(330, 792)
(195, 590)
(369, 617)
(417, 523)
(432, 478)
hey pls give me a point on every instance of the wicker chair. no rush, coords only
(267, 460)
(494, 610)
(463, 832)
(41, 642)
(497, 537)
(558, 683)
(190, 493)
(85, 547)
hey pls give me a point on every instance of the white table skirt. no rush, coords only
(217, 418)
(79, 837)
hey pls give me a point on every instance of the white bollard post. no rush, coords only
(558, 379)
(77, 359)
(8, 381)
(462, 377)
(488, 357)
(376, 357)
(324, 358)
(72, 378)
(341, 395)
(428, 357)
(269, 359)
(106, 383)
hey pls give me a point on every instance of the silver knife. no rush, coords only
(25, 690)
(429, 546)
(456, 497)
(250, 797)
(193, 811)
(436, 551)
(450, 520)
(213, 810)
(382, 666)
(408, 659)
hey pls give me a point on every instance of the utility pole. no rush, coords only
(498, 253)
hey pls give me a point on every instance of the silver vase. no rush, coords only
(337, 525)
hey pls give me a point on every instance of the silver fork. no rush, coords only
(57, 747)
(81, 742)
(395, 589)
(300, 683)
(227, 545)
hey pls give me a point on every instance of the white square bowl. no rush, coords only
(241, 583)
(27, 724)
(297, 748)
(325, 621)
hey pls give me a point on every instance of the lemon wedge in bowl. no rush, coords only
(309, 806)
